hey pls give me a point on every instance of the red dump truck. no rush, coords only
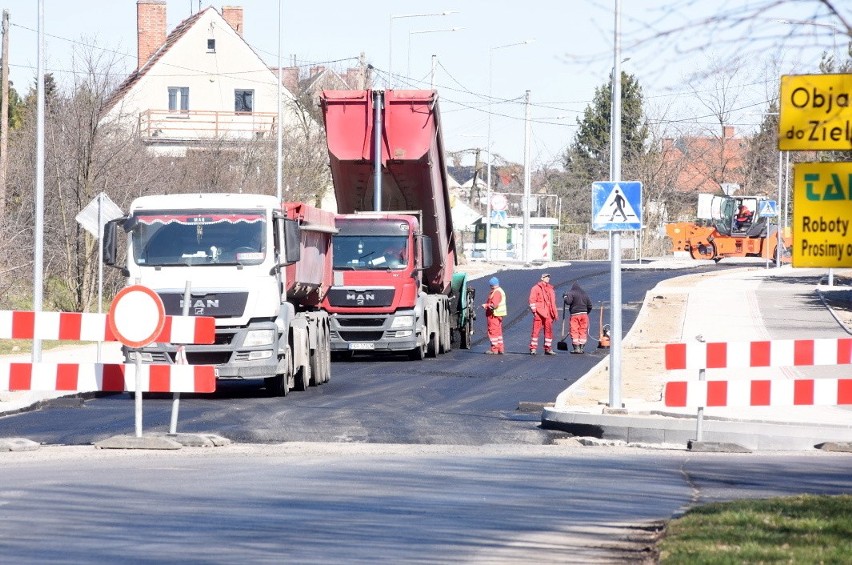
(394, 288)
(260, 267)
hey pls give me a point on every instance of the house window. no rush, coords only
(178, 99)
(211, 45)
(243, 100)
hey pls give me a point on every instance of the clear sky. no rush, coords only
(571, 54)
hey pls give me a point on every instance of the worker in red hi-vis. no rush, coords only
(543, 308)
(495, 311)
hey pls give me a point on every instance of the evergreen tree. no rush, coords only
(587, 159)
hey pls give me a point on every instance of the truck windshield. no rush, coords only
(198, 237)
(370, 252)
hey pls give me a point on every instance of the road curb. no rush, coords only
(647, 428)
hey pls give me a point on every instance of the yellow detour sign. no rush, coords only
(815, 113)
(822, 215)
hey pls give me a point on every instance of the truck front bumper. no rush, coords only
(231, 357)
(365, 332)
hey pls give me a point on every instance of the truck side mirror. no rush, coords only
(110, 243)
(292, 241)
(426, 251)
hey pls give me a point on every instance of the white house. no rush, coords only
(199, 84)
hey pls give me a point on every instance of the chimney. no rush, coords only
(289, 78)
(234, 16)
(727, 132)
(150, 29)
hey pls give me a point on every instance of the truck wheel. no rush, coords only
(316, 364)
(464, 335)
(326, 357)
(303, 378)
(446, 337)
(434, 345)
(418, 353)
(280, 384)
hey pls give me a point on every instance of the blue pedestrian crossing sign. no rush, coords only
(616, 206)
(768, 209)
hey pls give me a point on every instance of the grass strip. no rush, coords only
(797, 529)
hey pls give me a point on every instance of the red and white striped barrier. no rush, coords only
(109, 377)
(775, 353)
(95, 327)
(737, 394)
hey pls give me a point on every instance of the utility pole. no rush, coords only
(4, 114)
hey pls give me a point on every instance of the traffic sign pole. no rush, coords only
(137, 317)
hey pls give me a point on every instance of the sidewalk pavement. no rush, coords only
(733, 305)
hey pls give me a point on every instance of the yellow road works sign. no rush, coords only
(815, 113)
(822, 215)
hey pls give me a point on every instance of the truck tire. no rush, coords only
(316, 363)
(280, 384)
(326, 356)
(418, 353)
(446, 336)
(465, 334)
(434, 344)
(303, 378)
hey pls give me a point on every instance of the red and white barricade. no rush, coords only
(758, 392)
(81, 377)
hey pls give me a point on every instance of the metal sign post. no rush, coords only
(136, 318)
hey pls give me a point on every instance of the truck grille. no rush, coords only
(361, 322)
(216, 304)
(361, 336)
(367, 298)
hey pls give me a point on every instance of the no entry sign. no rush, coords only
(136, 316)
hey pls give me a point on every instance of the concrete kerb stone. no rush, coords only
(645, 428)
(18, 444)
(134, 442)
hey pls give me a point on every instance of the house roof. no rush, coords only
(173, 38)
(136, 75)
(702, 163)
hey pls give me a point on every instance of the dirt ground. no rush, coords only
(643, 371)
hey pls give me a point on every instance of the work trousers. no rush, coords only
(539, 323)
(494, 326)
(579, 328)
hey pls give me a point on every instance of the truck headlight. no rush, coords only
(255, 338)
(402, 322)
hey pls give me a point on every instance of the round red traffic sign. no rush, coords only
(136, 316)
(499, 202)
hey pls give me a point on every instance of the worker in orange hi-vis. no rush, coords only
(495, 311)
(543, 308)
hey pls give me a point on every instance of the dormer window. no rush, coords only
(211, 45)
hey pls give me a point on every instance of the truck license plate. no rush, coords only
(361, 346)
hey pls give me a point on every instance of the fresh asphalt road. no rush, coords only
(345, 503)
(463, 397)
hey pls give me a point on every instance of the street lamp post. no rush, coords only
(615, 248)
(390, 36)
(415, 32)
(488, 144)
